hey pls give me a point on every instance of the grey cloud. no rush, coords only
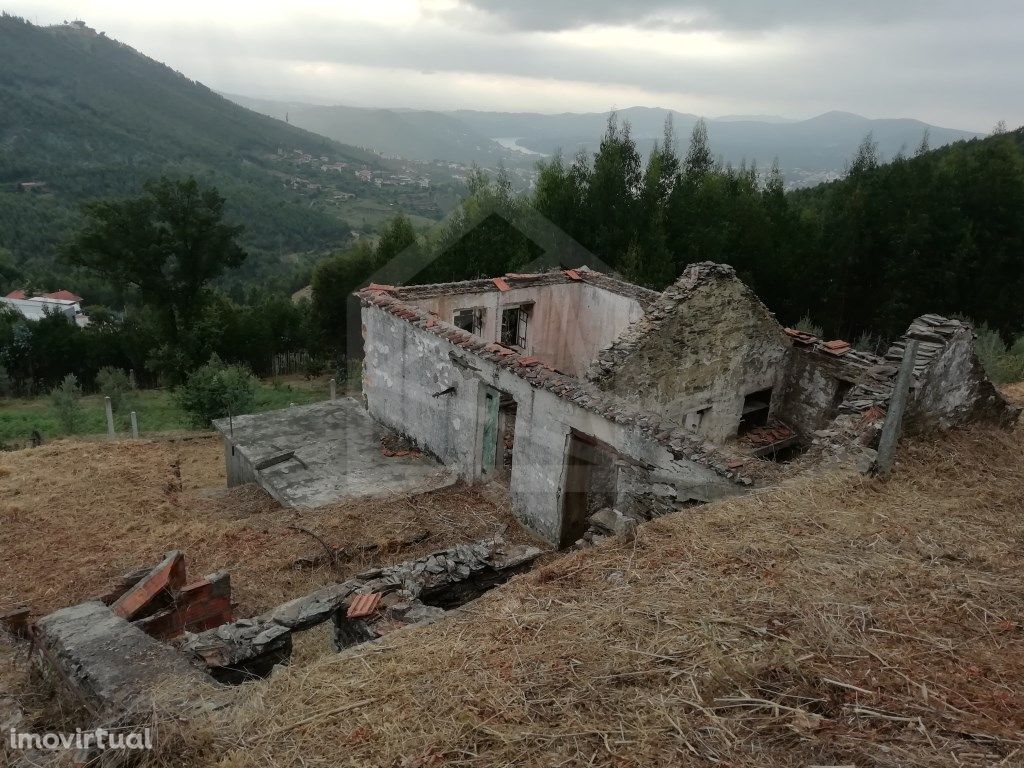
(895, 70)
(957, 65)
(720, 15)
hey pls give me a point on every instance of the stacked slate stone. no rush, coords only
(932, 333)
(419, 591)
(615, 355)
(412, 592)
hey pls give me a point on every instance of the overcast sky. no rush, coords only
(953, 63)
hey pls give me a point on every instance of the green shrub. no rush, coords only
(1002, 363)
(66, 399)
(115, 384)
(870, 343)
(6, 387)
(215, 390)
(807, 325)
(315, 366)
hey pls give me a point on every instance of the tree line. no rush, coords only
(939, 230)
(936, 231)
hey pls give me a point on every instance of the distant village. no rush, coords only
(60, 302)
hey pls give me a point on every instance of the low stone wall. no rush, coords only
(107, 668)
(250, 648)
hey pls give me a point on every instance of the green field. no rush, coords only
(157, 411)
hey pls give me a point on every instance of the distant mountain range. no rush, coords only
(808, 151)
(412, 134)
(83, 116)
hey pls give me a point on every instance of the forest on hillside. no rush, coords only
(84, 117)
(936, 231)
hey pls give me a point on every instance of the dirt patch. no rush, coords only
(76, 514)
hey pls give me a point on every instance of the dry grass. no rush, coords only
(75, 514)
(1015, 393)
(836, 620)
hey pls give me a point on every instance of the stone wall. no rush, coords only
(952, 388)
(705, 345)
(406, 366)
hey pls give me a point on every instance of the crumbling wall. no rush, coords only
(705, 345)
(814, 386)
(953, 390)
(106, 667)
(569, 322)
(405, 366)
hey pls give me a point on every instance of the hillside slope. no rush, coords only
(836, 620)
(89, 117)
(416, 134)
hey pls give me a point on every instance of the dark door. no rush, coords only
(576, 504)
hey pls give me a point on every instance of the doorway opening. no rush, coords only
(756, 407)
(591, 477)
(506, 435)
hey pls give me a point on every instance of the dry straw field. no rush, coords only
(835, 620)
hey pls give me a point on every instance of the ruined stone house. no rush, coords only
(584, 392)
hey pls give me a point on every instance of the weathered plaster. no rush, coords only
(406, 366)
(569, 322)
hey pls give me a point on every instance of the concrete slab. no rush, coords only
(312, 455)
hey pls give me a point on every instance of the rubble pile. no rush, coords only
(408, 593)
(948, 388)
(608, 523)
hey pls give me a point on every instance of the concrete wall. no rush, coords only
(405, 366)
(570, 322)
(239, 469)
(715, 347)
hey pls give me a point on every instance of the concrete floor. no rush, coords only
(337, 455)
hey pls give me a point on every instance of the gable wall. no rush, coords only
(713, 348)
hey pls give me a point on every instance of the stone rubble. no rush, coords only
(252, 647)
(608, 523)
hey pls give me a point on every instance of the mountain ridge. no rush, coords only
(809, 150)
(84, 116)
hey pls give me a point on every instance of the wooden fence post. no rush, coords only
(110, 417)
(894, 414)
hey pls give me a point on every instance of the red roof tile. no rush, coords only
(836, 347)
(379, 287)
(572, 274)
(363, 606)
(801, 336)
(63, 295)
(16, 295)
(500, 284)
